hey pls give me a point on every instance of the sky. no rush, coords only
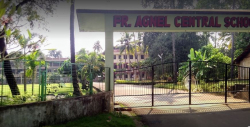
(58, 35)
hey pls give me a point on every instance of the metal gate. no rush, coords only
(182, 83)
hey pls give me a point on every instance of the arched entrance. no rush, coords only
(110, 21)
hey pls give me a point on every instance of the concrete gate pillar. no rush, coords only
(109, 55)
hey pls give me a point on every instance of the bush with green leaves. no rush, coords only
(54, 77)
(20, 99)
(208, 63)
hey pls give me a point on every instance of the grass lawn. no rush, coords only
(101, 120)
(205, 87)
(51, 89)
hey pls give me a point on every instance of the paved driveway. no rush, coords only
(207, 115)
(141, 95)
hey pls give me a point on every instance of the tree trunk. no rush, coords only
(129, 62)
(125, 65)
(77, 91)
(174, 60)
(136, 56)
(7, 69)
(24, 71)
(232, 50)
(232, 56)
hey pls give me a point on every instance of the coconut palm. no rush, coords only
(77, 91)
(138, 46)
(127, 47)
(229, 37)
(89, 59)
(54, 53)
(97, 47)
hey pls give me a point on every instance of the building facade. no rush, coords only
(123, 70)
(243, 60)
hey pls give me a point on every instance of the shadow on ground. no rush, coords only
(216, 115)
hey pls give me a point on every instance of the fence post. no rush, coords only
(152, 73)
(39, 89)
(190, 77)
(46, 72)
(91, 80)
(2, 84)
(42, 85)
(226, 85)
(249, 85)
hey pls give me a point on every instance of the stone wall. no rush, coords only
(56, 111)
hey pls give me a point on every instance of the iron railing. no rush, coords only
(49, 82)
(199, 82)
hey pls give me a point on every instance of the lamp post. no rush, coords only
(160, 56)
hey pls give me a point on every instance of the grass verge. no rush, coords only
(101, 120)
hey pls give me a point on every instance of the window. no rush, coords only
(142, 56)
(120, 56)
(132, 76)
(126, 76)
(114, 56)
(115, 66)
(125, 56)
(125, 65)
(120, 66)
(130, 56)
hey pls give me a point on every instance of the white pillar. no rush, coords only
(109, 56)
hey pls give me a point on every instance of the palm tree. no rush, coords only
(54, 53)
(229, 37)
(97, 47)
(32, 61)
(138, 47)
(90, 59)
(77, 91)
(127, 47)
(82, 73)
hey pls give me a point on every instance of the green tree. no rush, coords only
(97, 47)
(138, 47)
(32, 61)
(55, 53)
(27, 10)
(229, 4)
(126, 46)
(170, 4)
(206, 61)
(242, 41)
(65, 68)
(89, 59)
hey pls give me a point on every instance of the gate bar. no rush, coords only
(226, 85)
(190, 77)
(152, 73)
(249, 85)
